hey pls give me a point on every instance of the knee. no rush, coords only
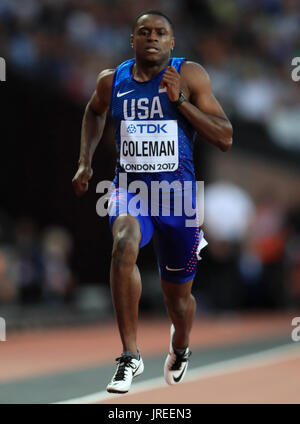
(179, 305)
(125, 251)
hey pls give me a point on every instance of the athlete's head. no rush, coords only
(152, 36)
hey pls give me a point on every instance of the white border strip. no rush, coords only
(266, 357)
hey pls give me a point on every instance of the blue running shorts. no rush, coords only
(177, 245)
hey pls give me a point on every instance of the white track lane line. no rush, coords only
(266, 357)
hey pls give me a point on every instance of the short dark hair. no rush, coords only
(152, 12)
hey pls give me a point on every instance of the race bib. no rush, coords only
(149, 146)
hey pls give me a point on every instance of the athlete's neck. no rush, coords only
(142, 72)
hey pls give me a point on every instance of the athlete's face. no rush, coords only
(152, 39)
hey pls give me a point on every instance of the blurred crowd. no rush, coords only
(253, 256)
(246, 45)
(34, 267)
(252, 259)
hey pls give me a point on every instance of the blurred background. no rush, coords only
(54, 248)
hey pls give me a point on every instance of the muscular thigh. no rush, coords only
(126, 226)
(124, 220)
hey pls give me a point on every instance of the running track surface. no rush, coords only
(246, 358)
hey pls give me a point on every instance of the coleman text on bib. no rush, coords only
(149, 146)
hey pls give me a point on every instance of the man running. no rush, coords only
(158, 104)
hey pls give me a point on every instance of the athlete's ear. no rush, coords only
(172, 43)
(131, 41)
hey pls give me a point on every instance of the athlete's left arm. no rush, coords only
(202, 109)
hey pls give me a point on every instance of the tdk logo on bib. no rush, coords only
(131, 129)
(147, 128)
(149, 146)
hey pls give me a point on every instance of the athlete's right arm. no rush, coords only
(93, 124)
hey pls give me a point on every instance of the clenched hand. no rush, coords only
(171, 80)
(81, 179)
